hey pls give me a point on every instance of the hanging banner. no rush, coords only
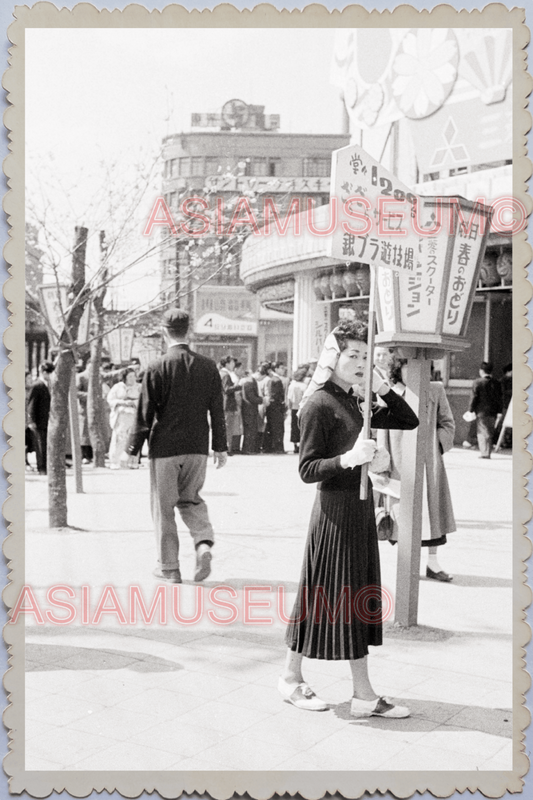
(113, 345)
(85, 324)
(54, 305)
(126, 344)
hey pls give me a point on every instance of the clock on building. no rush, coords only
(235, 113)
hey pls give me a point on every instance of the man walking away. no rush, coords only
(38, 412)
(486, 403)
(180, 391)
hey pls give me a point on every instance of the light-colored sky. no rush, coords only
(95, 96)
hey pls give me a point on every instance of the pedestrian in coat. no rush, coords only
(38, 411)
(275, 409)
(82, 391)
(295, 392)
(486, 404)
(438, 508)
(230, 388)
(251, 402)
(334, 617)
(181, 395)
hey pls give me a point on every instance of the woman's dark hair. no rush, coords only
(224, 361)
(125, 374)
(47, 366)
(300, 372)
(264, 368)
(350, 330)
(395, 369)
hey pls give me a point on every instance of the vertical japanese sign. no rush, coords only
(85, 324)
(54, 306)
(321, 327)
(420, 291)
(113, 345)
(467, 250)
(126, 344)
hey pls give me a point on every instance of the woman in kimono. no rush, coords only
(337, 613)
(122, 399)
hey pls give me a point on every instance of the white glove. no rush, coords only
(361, 453)
(378, 382)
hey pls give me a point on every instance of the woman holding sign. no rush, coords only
(337, 613)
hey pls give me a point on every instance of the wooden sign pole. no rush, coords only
(414, 447)
(367, 413)
(75, 433)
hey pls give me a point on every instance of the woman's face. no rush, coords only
(382, 358)
(350, 369)
(130, 379)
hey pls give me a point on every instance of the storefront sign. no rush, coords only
(229, 310)
(217, 324)
(267, 185)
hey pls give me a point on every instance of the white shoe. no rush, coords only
(203, 562)
(381, 707)
(301, 695)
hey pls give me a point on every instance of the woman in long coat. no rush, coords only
(337, 613)
(441, 432)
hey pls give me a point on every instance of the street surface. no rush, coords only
(203, 696)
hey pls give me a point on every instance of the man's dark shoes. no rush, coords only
(438, 576)
(168, 575)
(203, 561)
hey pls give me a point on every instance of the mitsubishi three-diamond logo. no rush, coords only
(453, 151)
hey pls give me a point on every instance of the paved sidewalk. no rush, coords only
(203, 696)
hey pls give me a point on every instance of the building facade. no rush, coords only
(457, 144)
(238, 169)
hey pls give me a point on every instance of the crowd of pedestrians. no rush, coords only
(256, 405)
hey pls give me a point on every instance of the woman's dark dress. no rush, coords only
(340, 584)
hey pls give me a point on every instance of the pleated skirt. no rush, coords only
(337, 612)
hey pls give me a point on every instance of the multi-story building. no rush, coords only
(247, 160)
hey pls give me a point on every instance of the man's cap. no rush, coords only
(175, 318)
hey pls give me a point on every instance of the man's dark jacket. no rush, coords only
(179, 391)
(38, 407)
(486, 397)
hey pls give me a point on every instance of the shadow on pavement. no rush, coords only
(483, 525)
(45, 658)
(479, 581)
(241, 583)
(420, 633)
(450, 717)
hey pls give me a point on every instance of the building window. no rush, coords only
(171, 166)
(259, 166)
(244, 165)
(185, 167)
(197, 165)
(274, 167)
(211, 165)
(316, 167)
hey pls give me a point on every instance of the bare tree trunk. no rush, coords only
(95, 401)
(59, 390)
